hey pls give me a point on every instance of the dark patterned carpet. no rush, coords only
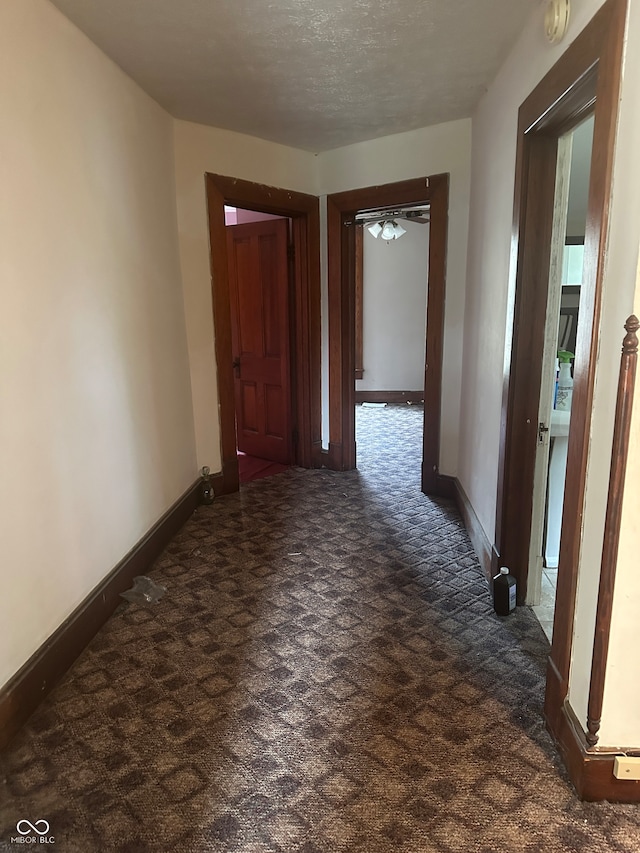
(325, 673)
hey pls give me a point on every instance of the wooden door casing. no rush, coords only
(303, 211)
(585, 79)
(341, 261)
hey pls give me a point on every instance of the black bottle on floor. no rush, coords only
(206, 487)
(504, 592)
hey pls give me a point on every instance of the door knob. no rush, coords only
(236, 364)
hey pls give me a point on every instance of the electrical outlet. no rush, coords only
(625, 767)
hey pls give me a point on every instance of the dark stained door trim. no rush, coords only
(586, 79)
(303, 210)
(359, 297)
(341, 209)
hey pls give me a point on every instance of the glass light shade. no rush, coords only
(374, 229)
(391, 230)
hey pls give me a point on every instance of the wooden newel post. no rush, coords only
(619, 452)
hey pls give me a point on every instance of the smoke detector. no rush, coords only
(556, 19)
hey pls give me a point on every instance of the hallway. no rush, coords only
(324, 673)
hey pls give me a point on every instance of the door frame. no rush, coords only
(585, 79)
(303, 211)
(341, 209)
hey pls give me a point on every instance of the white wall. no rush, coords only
(394, 310)
(431, 150)
(621, 715)
(487, 322)
(96, 432)
(621, 712)
(198, 150)
(581, 146)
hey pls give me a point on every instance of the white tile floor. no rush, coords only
(544, 610)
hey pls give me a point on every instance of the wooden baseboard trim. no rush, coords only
(228, 480)
(591, 771)
(23, 693)
(317, 455)
(389, 397)
(481, 544)
(217, 481)
(333, 459)
(445, 486)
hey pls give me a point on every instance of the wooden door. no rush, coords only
(259, 291)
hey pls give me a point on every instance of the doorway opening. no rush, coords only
(391, 273)
(558, 365)
(263, 397)
(342, 210)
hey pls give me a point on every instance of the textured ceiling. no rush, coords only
(314, 74)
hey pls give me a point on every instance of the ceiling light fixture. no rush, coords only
(556, 19)
(388, 229)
